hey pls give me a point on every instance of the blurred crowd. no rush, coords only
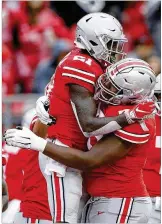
(36, 35)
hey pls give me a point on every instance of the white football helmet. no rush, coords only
(126, 82)
(157, 91)
(102, 36)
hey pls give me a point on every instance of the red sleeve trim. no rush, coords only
(134, 138)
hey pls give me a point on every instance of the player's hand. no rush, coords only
(42, 106)
(24, 138)
(141, 111)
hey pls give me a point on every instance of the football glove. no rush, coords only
(141, 111)
(42, 107)
(22, 137)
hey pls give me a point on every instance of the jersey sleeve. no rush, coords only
(80, 73)
(136, 133)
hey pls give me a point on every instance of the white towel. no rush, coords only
(8, 216)
(158, 204)
(54, 166)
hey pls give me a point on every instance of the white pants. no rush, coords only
(85, 197)
(64, 193)
(155, 213)
(117, 210)
(8, 216)
(19, 219)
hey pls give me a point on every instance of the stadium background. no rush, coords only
(37, 34)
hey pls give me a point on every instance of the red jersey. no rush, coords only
(14, 176)
(34, 203)
(76, 68)
(124, 177)
(12, 171)
(151, 172)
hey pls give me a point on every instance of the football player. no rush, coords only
(115, 184)
(152, 169)
(99, 42)
(99, 39)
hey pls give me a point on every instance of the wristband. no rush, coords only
(39, 144)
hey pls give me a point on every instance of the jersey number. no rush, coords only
(83, 59)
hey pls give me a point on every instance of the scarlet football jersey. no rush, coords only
(124, 177)
(76, 68)
(152, 169)
(14, 176)
(34, 203)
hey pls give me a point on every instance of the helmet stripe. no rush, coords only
(127, 64)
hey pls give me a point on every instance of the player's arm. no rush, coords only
(4, 194)
(85, 110)
(108, 150)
